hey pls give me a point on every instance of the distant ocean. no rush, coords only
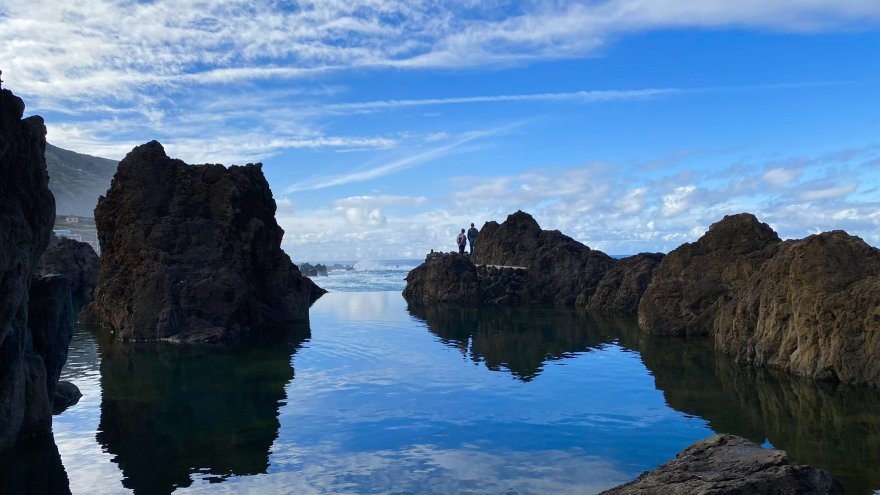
(373, 275)
(367, 275)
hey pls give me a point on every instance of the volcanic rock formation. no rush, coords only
(77, 262)
(812, 309)
(517, 262)
(560, 268)
(695, 279)
(726, 464)
(29, 357)
(192, 253)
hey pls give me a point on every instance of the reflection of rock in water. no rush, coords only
(170, 411)
(33, 469)
(819, 424)
(519, 339)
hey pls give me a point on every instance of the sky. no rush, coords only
(386, 126)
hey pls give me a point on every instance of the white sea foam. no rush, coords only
(367, 276)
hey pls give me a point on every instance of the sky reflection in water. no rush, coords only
(383, 398)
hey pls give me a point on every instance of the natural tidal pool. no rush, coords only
(389, 398)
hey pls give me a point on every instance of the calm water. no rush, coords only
(383, 398)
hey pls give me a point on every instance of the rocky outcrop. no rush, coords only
(516, 262)
(66, 394)
(443, 278)
(310, 270)
(810, 307)
(622, 286)
(560, 269)
(192, 253)
(813, 309)
(695, 280)
(726, 464)
(27, 213)
(78, 263)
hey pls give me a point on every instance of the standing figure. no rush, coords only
(472, 237)
(461, 239)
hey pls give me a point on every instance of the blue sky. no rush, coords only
(385, 126)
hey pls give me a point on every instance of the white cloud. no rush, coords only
(829, 192)
(678, 200)
(780, 176)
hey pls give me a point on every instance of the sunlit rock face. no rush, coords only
(813, 309)
(27, 213)
(810, 307)
(727, 464)
(192, 253)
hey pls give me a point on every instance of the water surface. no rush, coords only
(386, 398)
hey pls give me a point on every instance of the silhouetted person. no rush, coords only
(462, 242)
(472, 237)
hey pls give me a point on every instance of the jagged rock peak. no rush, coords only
(193, 253)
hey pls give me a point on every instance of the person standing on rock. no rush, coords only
(462, 242)
(472, 237)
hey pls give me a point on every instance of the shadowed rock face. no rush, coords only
(560, 268)
(694, 281)
(27, 213)
(726, 464)
(192, 253)
(622, 286)
(78, 263)
(537, 267)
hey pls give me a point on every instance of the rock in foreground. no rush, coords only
(27, 213)
(192, 253)
(727, 464)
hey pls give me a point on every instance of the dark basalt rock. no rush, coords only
(517, 262)
(560, 269)
(78, 263)
(310, 270)
(192, 253)
(727, 464)
(27, 213)
(66, 395)
(443, 278)
(693, 281)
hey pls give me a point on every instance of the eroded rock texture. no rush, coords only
(695, 280)
(622, 286)
(192, 253)
(812, 309)
(727, 464)
(27, 213)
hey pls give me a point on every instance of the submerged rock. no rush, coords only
(27, 214)
(693, 281)
(727, 464)
(66, 395)
(192, 253)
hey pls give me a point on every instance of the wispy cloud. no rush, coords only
(393, 166)
(574, 96)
